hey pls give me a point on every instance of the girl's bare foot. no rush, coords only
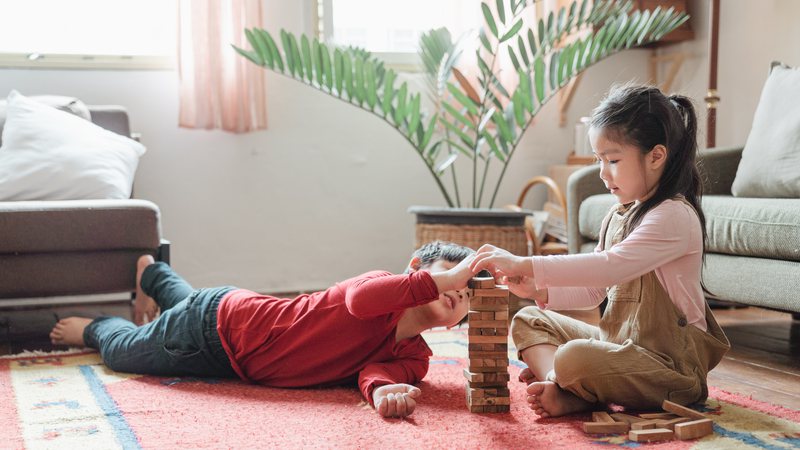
(547, 399)
(69, 331)
(526, 376)
(144, 307)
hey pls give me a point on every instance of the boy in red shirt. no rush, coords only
(365, 329)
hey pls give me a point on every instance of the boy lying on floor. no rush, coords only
(365, 329)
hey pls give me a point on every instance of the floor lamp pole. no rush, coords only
(712, 97)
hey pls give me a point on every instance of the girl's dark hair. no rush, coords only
(644, 117)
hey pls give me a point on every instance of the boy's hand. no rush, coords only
(395, 400)
(456, 278)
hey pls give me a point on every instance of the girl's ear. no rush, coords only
(657, 157)
(413, 265)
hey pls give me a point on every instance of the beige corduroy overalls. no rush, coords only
(642, 352)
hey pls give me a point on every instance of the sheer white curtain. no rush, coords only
(219, 88)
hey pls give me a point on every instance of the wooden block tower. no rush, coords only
(487, 374)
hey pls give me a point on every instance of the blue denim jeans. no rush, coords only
(183, 340)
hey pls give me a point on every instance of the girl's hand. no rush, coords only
(395, 400)
(500, 262)
(525, 287)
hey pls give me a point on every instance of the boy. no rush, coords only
(365, 329)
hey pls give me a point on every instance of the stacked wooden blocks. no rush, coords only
(487, 374)
(678, 422)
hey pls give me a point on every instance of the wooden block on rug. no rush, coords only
(694, 429)
(627, 418)
(602, 416)
(656, 434)
(645, 425)
(681, 410)
(670, 424)
(662, 416)
(605, 427)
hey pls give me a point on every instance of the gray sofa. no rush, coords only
(753, 254)
(55, 252)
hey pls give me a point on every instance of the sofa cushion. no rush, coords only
(756, 227)
(771, 156)
(78, 226)
(48, 154)
(69, 104)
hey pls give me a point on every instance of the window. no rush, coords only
(392, 29)
(126, 34)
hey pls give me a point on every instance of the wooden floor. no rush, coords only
(764, 361)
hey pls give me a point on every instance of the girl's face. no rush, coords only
(623, 168)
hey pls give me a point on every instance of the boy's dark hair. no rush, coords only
(441, 250)
(644, 117)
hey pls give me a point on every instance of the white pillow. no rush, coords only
(49, 154)
(770, 165)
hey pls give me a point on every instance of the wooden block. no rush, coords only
(670, 423)
(483, 347)
(605, 427)
(484, 369)
(681, 410)
(488, 323)
(502, 408)
(487, 392)
(620, 417)
(645, 425)
(477, 408)
(481, 377)
(491, 401)
(498, 292)
(501, 315)
(474, 354)
(488, 339)
(481, 283)
(602, 416)
(662, 416)
(488, 384)
(656, 434)
(694, 429)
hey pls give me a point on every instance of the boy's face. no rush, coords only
(451, 306)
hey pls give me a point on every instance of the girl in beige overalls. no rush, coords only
(657, 338)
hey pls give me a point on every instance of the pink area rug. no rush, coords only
(73, 401)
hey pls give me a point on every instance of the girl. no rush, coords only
(657, 338)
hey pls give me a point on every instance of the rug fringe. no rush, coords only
(29, 353)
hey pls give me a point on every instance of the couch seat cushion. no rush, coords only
(78, 225)
(759, 227)
(756, 227)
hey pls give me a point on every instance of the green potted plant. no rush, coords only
(465, 126)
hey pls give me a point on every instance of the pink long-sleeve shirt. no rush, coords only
(669, 241)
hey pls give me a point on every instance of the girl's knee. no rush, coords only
(575, 359)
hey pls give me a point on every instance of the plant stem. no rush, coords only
(455, 185)
(483, 180)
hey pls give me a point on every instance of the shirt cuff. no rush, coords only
(539, 277)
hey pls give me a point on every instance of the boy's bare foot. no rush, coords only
(547, 399)
(144, 307)
(69, 331)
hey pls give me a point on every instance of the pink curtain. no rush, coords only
(218, 87)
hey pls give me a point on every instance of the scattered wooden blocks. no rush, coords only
(679, 422)
(656, 434)
(487, 374)
(694, 429)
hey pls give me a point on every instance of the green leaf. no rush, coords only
(493, 146)
(541, 32)
(273, 48)
(532, 42)
(298, 60)
(327, 70)
(348, 76)
(487, 116)
(446, 163)
(513, 31)
(361, 92)
(482, 64)
(388, 92)
(560, 23)
(423, 144)
(308, 63)
(581, 13)
(287, 49)
(414, 118)
(370, 87)
(460, 147)
(250, 55)
(519, 112)
(644, 18)
(457, 115)
(538, 77)
(501, 11)
(462, 98)
(487, 15)
(338, 69)
(466, 139)
(569, 59)
(523, 51)
(622, 26)
(316, 54)
(524, 88)
(485, 40)
(513, 57)
(502, 127)
(400, 110)
(571, 16)
(554, 58)
(261, 50)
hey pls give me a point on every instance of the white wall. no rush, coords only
(322, 194)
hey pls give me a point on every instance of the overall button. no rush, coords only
(682, 322)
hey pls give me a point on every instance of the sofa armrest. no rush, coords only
(582, 184)
(718, 168)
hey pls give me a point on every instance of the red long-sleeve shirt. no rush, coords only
(337, 336)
